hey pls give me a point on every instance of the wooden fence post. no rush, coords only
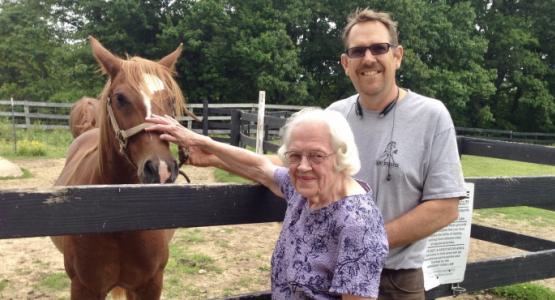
(260, 122)
(235, 134)
(13, 127)
(27, 117)
(205, 117)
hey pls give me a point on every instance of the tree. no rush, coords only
(26, 42)
(233, 49)
(36, 61)
(524, 98)
(443, 53)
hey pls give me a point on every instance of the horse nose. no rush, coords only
(159, 171)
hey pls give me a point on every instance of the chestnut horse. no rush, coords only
(82, 116)
(119, 151)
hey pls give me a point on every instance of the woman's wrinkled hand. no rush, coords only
(172, 131)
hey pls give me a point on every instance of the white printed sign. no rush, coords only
(447, 251)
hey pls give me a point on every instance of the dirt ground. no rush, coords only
(243, 262)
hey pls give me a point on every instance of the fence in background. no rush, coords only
(216, 119)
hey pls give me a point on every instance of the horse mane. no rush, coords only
(133, 69)
(82, 116)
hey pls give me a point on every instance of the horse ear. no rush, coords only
(110, 63)
(170, 59)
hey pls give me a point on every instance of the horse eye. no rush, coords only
(121, 100)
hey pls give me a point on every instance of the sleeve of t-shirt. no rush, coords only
(283, 180)
(444, 176)
(362, 253)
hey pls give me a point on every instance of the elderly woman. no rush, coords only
(332, 243)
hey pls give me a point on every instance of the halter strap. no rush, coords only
(123, 135)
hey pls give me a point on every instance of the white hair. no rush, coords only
(342, 139)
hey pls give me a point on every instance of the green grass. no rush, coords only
(524, 291)
(34, 142)
(477, 166)
(3, 284)
(224, 176)
(55, 282)
(536, 216)
(183, 262)
(191, 236)
(26, 174)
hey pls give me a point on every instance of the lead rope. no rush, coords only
(183, 157)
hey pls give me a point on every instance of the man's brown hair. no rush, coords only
(368, 15)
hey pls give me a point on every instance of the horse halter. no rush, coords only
(123, 135)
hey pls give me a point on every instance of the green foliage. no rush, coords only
(523, 59)
(492, 64)
(34, 142)
(524, 291)
(36, 61)
(234, 49)
(31, 148)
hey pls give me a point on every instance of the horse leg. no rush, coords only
(81, 292)
(151, 290)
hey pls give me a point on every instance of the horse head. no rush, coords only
(136, 89)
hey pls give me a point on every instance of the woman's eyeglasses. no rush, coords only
(375, 49)
(313, 157)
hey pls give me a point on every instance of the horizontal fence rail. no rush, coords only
(51, 115)
(109, 208)
(509, 135)
(103, 209)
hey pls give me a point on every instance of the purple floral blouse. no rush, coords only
(324, 253)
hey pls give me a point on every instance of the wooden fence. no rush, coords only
(216, 119)
(100, 209)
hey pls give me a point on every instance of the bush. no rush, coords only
(31, 148)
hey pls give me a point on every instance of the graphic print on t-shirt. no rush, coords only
(387, 159)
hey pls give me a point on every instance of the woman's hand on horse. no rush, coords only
(173, 131)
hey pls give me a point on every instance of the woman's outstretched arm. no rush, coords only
(204, 151)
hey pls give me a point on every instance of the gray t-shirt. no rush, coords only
(323, 253)
(415, 144)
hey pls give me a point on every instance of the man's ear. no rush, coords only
(345, 62)
(398, 54)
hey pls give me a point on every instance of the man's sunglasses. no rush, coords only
(375, 49)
